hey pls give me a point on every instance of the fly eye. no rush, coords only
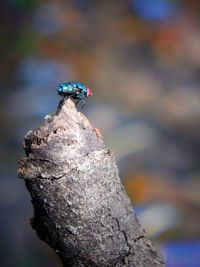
(89, 93)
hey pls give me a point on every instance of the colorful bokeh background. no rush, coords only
(141, 58)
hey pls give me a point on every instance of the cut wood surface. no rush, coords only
(80, 206)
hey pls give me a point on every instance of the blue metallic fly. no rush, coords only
(74, 90)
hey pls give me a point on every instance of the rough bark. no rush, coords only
(80, 206)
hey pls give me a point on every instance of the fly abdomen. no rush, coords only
(66, 89)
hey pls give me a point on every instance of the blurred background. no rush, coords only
(141, 58)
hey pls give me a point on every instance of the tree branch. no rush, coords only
(80, 207)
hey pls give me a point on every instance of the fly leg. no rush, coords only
(81, 101)
(65, 97)
(84, 102)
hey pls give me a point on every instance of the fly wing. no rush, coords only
(77, 90)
